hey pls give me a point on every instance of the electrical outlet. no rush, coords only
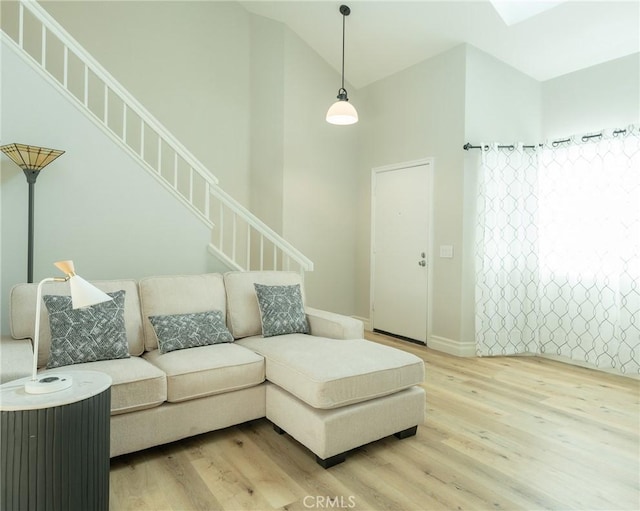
(446, 251)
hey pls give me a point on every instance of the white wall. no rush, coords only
(187, 63)
(94, 204)
(415, 114)
(501, 103)
(267, 121)
(303, 170)
(320, 178)
(603, 96)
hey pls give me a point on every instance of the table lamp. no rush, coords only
(83, 294)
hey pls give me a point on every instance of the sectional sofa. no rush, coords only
(204, 352)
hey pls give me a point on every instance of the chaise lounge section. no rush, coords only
(329, 394)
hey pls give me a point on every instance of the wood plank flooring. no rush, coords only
(516, 433)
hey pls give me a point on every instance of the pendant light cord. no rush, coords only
(343, 19)
(342, 112)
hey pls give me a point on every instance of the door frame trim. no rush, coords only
(429, 163)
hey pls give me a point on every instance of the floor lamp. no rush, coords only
(31, 159)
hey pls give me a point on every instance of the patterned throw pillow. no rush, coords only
(281, 310)
(87, 334)
(181, 331)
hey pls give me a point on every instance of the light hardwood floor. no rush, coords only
(500, 434)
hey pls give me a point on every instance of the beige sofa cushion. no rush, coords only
(243, 312)
(179, 294)
(136, 384)
(352, 370)
(208, 370)
(23, 310)
(16, 359)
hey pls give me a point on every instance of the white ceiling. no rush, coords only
(384, 37)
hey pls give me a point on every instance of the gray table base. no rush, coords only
(56, 458)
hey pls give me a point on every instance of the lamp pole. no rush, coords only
(31, 159)
(31, 175)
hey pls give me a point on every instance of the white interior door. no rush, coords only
(400, 249)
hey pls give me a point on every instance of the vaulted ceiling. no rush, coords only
(384, 37)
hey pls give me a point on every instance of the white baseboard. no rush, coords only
(457, 348)
(366, 321)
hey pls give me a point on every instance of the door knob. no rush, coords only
(422, 263)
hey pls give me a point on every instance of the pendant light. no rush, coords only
(342, 112)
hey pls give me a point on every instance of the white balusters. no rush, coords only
(234, 239)
(43, 51)
(175, 170)
(124, 122)
(221, 228)
(65, 68)
(86, 86)
(191, 185)
(106, 104)
(21, 26)
(141, 139)
(159, 155)
(207, 198)
(113, 93)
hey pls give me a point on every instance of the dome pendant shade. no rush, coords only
(342, 112)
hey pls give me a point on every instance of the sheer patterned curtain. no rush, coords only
(507, 252)
(561, 275)
(589, 232)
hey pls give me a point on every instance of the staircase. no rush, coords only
(239, 238)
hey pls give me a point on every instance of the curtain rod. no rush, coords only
(511, 147)
(555, 143)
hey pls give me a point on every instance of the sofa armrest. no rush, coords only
(333, 326)
(16, 358)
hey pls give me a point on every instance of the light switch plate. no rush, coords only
(446, 251)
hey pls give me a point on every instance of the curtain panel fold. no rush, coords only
(507, 252)
(558, 250)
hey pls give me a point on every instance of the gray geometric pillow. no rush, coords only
(87, 334)
(181, 331)
(281, 310)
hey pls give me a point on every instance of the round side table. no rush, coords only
(54, 448)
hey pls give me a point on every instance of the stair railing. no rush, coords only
(239, 238)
